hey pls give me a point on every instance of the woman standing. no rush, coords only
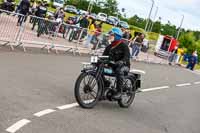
(138, 42)
(91, 32)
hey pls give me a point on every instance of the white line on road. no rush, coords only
(196, 83)
(156, 88)
(68, 106)
(44, 112)
(17, 125)
(181, 85)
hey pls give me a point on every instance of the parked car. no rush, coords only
(112, 20)
(82, 12)
(58, 3)
(93, 16)
(70, 9)
(50, 13)
(123, 24)
(102, 17)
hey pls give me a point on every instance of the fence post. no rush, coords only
(19, 35)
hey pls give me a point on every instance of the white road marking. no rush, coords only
(156, 88)
(68, 106)
(185, 84)
(44, 112)
(196, 83)
(17, 125)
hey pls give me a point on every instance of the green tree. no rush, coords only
(111, 7)
(187, 41)
(157, 27)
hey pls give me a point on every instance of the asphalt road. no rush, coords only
(30, 83)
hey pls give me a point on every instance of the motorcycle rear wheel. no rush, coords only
(128, 97)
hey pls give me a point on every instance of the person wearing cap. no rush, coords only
(118, 52)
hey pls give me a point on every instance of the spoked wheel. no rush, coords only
(128, 94)
(87, 90)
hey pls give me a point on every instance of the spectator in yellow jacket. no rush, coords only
(91, 32)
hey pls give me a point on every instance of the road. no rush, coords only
(33, 82)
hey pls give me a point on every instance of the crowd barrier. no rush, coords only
(30, 31)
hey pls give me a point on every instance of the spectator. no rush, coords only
(91, 32)
(97, 34)
(24, 10)
(173, 55)
(60, 14)
(84, 22)
(127, 36)
(33, 10)
(192, 61)
(137, 44)
(145, 45)
(40, 12)
(180, 53)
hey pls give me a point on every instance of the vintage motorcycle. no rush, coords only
(97, 82)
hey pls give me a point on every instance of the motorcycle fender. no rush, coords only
(89, 71)
(137, 78)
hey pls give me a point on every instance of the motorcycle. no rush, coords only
(97, 82)
(74, 34)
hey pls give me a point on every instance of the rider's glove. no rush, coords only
(119, 63)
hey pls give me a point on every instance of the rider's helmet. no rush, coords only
(117, 33)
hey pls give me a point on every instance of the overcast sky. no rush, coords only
(171, 10)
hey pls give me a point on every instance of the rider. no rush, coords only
(118, 52)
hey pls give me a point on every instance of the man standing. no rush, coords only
(138, 42)
(192, 61)
(24, 10)
(40, 12)
(173, 55)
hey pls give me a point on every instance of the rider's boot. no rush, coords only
(119, 87)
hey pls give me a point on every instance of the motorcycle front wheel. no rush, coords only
(87, 90)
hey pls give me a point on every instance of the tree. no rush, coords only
(111, 7)
(187, 41)
(157, 27)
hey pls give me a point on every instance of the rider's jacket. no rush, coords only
(118, 51)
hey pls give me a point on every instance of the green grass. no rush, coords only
(152, 36)
(197, 67)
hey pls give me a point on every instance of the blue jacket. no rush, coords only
(193, 59)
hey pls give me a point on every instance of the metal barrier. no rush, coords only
(46, 33)
(32, 31)
(9, 32)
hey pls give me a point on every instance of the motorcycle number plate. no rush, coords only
(94, 59)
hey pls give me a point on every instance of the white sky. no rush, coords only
(171, 10)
